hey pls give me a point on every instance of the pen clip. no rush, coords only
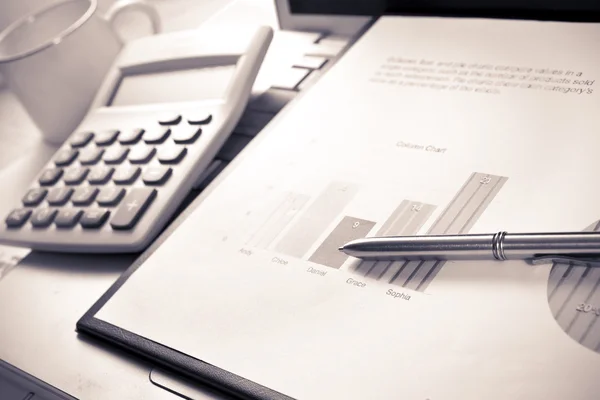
(561, 259)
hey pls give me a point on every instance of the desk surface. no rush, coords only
(42, 341)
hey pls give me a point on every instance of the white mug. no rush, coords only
(55, 59)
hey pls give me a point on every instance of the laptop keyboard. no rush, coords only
(311, 63)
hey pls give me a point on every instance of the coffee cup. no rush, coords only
(55, 58)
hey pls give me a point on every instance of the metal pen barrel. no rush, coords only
(429, 247)
(529, 245)
(499, 246)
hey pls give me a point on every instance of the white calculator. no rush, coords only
(163, 112)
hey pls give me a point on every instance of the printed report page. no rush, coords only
(426, 126)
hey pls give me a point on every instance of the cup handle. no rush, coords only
(140, 5)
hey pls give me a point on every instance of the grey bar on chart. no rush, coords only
(587, 285)
(278, 220)
(460, 215)
(582, 321)
(395, 223)
(488, 186)
(566, 288)
(349, 228)
(591, 336)
(316, 218)
(416, 216)
(557, 274)
(255, 237)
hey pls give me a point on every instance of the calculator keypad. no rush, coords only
(81, 139)
(156, 175)
(110, 196)
(115, 155)
(75, 175)
(59, 196)
(170, 119)
(50, 176)
(67, 217)
(100, 175)
(65, 157)
(157, 135)
(199, 118)
(18, 217)
(186, 134)
(106, 138)
(132, 208)
(84, 196)
(171, 154)
(43, 217)
(108, 178)
(131, 136)
(94, 218)
(141, 154)
(126, 175)
(34, 197)
(90, 156)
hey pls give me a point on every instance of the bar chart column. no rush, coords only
(315, 220)
(459, 216)
(406, 219)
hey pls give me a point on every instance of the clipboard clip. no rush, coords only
(562, 259)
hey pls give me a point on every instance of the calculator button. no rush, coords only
(50, 176)
(186, 134)
(131, 136)
(115, 155)
(59, 196)
(157, 134)
(141, 154)
(171, 154)
(84, 196)
(94, 218)
(110, 196)
(43, 217)
(81, 139)
(132, 208)
(65, 157)
(100, 175)
(171, 119)
(68, 217)
(34, 197)
(156, 175)
(106, 138)
(126, 175)
(75, 175)
(199, 118)
(90, 156)
(17, 217)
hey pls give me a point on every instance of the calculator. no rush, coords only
(166, 107)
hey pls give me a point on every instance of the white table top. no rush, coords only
(48, 293)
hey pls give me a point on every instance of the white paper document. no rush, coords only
(426, 125)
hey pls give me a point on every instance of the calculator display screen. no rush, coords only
(206, 83)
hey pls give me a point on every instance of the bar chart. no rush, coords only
(349, 228)
(296, 224)
(574, 300)
(406, 219)
(459, 216)
(316, 218)
(277, 220)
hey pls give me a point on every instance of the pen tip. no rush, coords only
(341, 248)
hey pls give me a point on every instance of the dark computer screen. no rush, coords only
(562, 10)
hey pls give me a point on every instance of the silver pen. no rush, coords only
(536, 248)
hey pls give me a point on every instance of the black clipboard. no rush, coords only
(161, 355)
(208, 374)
